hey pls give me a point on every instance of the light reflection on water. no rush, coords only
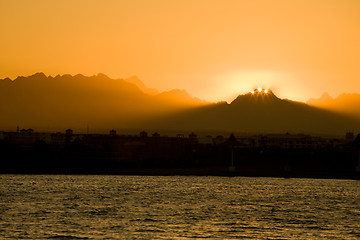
(177, 207)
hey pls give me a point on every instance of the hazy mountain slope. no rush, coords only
(345, 103)
(260, 113)
(141, 85)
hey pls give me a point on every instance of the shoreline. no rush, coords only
(211, 172)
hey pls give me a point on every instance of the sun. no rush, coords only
(259, 90)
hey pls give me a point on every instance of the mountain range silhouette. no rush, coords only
(66, 101)
(76, 101)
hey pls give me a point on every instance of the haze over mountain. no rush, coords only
(345, 103)
(261, 112)
(141, 86)
(45, 102)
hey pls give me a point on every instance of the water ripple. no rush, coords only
(178, 207)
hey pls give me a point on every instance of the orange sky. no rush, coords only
(212, 48)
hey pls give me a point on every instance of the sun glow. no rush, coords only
(260, 91)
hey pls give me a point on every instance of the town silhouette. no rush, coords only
(271, 155)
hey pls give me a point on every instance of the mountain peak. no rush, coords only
(39, 75)
(179, 95)
(326, 96)
(257, 95)
(324, 99)
(102, 76)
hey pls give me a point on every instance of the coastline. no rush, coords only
(220, 172)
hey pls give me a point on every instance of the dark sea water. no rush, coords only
(177, 207)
